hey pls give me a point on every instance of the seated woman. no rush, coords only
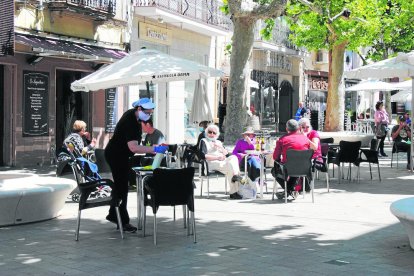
(313, 136)
(78, 138)
(253, 162)
(216, 157)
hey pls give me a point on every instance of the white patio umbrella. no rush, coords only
(200, 107)
(404, 85)
(142, 66)
(371, 86)
(401, 66)
(402, 96)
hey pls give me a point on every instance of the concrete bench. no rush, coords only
(28, 198)
(403, 209)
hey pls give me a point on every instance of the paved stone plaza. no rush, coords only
(347, 231)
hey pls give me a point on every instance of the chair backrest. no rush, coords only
(172, 187)
(329, 140)
(173, 149)
(101, 161)
(374, 144)
(348, 151)
(324, 149)
(299, 162)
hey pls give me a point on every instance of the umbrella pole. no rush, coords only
(412, 125)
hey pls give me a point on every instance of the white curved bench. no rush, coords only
(28, 198)
(403, 209)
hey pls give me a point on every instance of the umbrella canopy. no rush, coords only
(401, 66)
(402, 96)
(371, 86)
(404, 85)
(142, 66)
(200, 108)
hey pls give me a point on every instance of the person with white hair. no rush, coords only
(313, 136)
(218, 159)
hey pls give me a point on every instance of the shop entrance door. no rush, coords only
(285, 104)
(70, 106)
(2, 114)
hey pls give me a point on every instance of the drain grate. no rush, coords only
(230, 247)
(337, 262)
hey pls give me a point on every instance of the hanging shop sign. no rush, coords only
(318, 83)
(35, 103)
(110, 110)
(154, 33)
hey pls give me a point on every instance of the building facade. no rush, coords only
(55, 43)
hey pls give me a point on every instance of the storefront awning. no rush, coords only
(42, 46)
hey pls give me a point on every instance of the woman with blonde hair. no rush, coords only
(79, 138)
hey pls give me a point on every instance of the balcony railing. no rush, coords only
(103, 6)
(280, 34)
(207, 12)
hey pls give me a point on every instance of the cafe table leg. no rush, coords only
(139, 197)
(261, 175)
(245, 166)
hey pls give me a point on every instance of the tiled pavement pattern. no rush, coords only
(349, 231)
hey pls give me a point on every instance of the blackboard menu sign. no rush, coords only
(35, 103)
(110, 110)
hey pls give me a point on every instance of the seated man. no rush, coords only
(154, 137)
(293, 140)
(401, 134)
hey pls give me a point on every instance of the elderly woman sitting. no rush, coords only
(313, 136)
(253, 162)
(216, 156)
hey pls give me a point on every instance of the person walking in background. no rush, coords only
(218, 159)
(124, 143)
(300, 112)
(381, 126)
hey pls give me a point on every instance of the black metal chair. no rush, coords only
(323, 166)
(170, 187)
(195, 157)
(329, 140)
(348, 153)
(369, 156)
(298, 164)
(396, 150)
(85, 189)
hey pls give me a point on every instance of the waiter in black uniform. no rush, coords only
(125, 143)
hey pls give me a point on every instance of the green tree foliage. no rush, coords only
(335, 25)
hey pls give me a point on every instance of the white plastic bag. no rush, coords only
(248, 190)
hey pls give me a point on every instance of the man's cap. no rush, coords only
(248, 130)
(401, 118)
(145, 103)
(292, 125)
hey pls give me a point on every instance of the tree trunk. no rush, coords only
(243, 36)
(335, 106)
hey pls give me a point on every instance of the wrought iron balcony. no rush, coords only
(280, 34)
(207, 12)
(103, 7)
